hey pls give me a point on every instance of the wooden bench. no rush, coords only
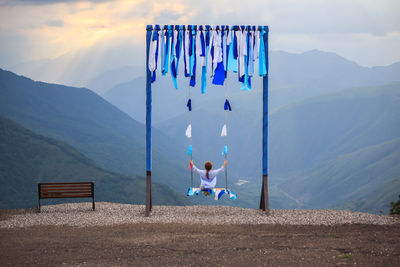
(66, 190)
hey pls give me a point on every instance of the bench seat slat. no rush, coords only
(66, 186)
(65, 183)
(63, 196)
(65, 189)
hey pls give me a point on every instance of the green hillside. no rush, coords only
(306, 137)
(368, 177)
(27, 158)
(325, 127)
(87, 122)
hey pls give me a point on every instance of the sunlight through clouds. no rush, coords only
(50, 29)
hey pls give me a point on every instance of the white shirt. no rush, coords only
(208, 183)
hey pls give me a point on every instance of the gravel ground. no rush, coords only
(81, 215)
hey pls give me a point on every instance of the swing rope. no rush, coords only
(191, 141)
(226, 137)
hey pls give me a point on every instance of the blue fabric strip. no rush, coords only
(225, 150)
(164, 70)
(227, 105)
(262, 67)
(162, 45)
(204, 68)
(232, 62)
(219, 74)
(246, 82)
(193, 58)
(189, 104)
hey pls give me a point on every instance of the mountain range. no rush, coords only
(292, 78)
(98, 130)
(329, 121)
(27, 158)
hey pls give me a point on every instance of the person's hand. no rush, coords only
(191, 163)
(225, 163)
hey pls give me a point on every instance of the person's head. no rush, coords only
(208, 167)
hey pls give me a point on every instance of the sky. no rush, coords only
(364, 31)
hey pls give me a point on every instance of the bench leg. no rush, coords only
(93, 205)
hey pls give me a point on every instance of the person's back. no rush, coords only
(208, 177)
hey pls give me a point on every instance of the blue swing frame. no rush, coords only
(264, 199)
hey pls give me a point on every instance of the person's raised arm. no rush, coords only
(194, 167)
(217, 171)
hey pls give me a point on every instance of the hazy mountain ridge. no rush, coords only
(351, 178)
(292, 78)
(94, 127)
(27, 158)
(304, 137)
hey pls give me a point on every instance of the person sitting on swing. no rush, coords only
(208, 177)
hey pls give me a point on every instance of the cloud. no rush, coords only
(54, 23)
(45, 2)
(295, 26)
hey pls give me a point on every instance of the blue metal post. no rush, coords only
(264, 202)
(149, 29)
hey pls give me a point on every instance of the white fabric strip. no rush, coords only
(224, 131)
(187, 33)
(152, 53)
(256, 45)
(189, 131)
(217, 50)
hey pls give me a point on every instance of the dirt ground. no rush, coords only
(190, 245)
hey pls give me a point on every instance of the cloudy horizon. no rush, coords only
(367, 32)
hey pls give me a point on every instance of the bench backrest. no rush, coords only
(66, 190)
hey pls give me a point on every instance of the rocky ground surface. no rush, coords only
(119, 235)
(81, 215)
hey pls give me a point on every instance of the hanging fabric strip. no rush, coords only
(189, 131)
(242, 52)
(210, 54)
(232, 61)
(224, 131)
(193, 57)
(153, 53)
(256, 44)
(168, 34)
(190, 150)
(227, 40)
(155, 43)
(162, 49)
(204, 66)
(250, 61)
(246, 81)
(236, 34)
(186, 51)
(262, 68)
(175, 53)
(227, 105)
(178, 48)
(218, 61)
(189, 104)
(225, 150)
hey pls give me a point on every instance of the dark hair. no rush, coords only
(208, 166)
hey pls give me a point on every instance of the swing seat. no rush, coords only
(218, 192)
